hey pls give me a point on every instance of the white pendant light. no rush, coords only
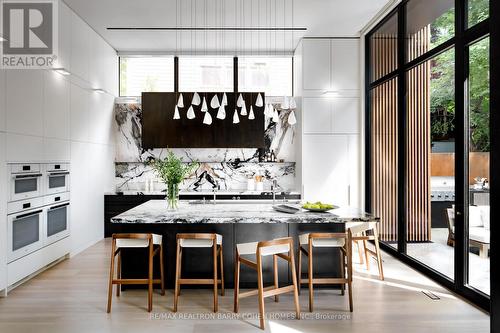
(236, 118)
(291, 118)
(224, 99)
(190, 114)
(204, 107)
(176, 113)
(214, 103)
(240, 101)
(268, 110)
(207, 119)
(293, 103)
(251, 115)
(180, 101)
(196, 99)
(259, 102)
(221, 114)
(285, 105)
(276, 117)
(244, 109)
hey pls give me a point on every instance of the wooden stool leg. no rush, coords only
(349, 274)
(177, 276)
(260, 292)
(294, 281)
(180, 270)
(216, 305)
(119, 273)
(237, 284)
(222, 290)
(367, 255)
(111, 274)
(310, 256)
(150, 278)
(275, 270)
(299, 273)
(162, 273)
(379, 257)
(360, 252)
(342, 271)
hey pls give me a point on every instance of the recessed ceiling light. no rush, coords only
(61, 71)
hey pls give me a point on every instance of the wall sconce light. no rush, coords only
(62, 71)
(99, 91)
(2, 39)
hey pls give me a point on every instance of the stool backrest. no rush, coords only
(275, 246)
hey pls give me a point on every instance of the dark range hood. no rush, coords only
(160, 130)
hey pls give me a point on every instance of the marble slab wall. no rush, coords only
(230, 167)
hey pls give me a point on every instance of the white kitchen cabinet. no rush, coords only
(56, 105)
(345, 115)
(101, 113)
(79, 115)
(2, 100)
(24, 101)
(64, 32)
(23, 148)
(345, 64)
(317, 115)
(80, 47)
(325, 168)
(3, 213)
(316, 64)
(56, 150)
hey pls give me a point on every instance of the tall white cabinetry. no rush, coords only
(46, 116)
(328, 82)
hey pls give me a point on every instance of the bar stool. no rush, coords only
(122, 241)
(278, 249)
(364, 231)
(329, 240)
(213, 241)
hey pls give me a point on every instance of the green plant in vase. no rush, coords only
(172, 171)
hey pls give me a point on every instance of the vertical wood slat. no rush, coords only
(384, 129)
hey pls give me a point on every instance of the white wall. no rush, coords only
(46, 116)
(331, 131)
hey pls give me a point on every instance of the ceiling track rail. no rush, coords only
(208, 28)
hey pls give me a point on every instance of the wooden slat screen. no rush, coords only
(384, 158)
(384, 132)
(418, 143)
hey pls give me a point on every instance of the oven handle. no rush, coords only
(35, 175)
(59, 206)
(28, 214)
(54, 174)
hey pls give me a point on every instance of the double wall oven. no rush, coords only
(38, 210)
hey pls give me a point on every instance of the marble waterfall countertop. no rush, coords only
(155, 211)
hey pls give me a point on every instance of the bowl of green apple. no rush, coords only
(318, 206)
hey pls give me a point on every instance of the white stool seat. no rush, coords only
(359, 227)
(132, 242)
(200, 242)
(251, 248)
(321, 242)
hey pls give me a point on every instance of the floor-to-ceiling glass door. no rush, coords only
(427, 139)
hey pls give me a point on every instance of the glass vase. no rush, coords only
(172, 196)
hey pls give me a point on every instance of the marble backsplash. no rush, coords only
(229, 168)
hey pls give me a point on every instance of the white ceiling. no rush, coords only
(322, 18)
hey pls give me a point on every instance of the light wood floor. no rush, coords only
(71, 297)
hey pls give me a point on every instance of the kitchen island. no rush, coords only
(237, 222)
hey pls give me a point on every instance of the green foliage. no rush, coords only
(171, 169)
(442, 81)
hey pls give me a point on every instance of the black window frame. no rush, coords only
(464, 36)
